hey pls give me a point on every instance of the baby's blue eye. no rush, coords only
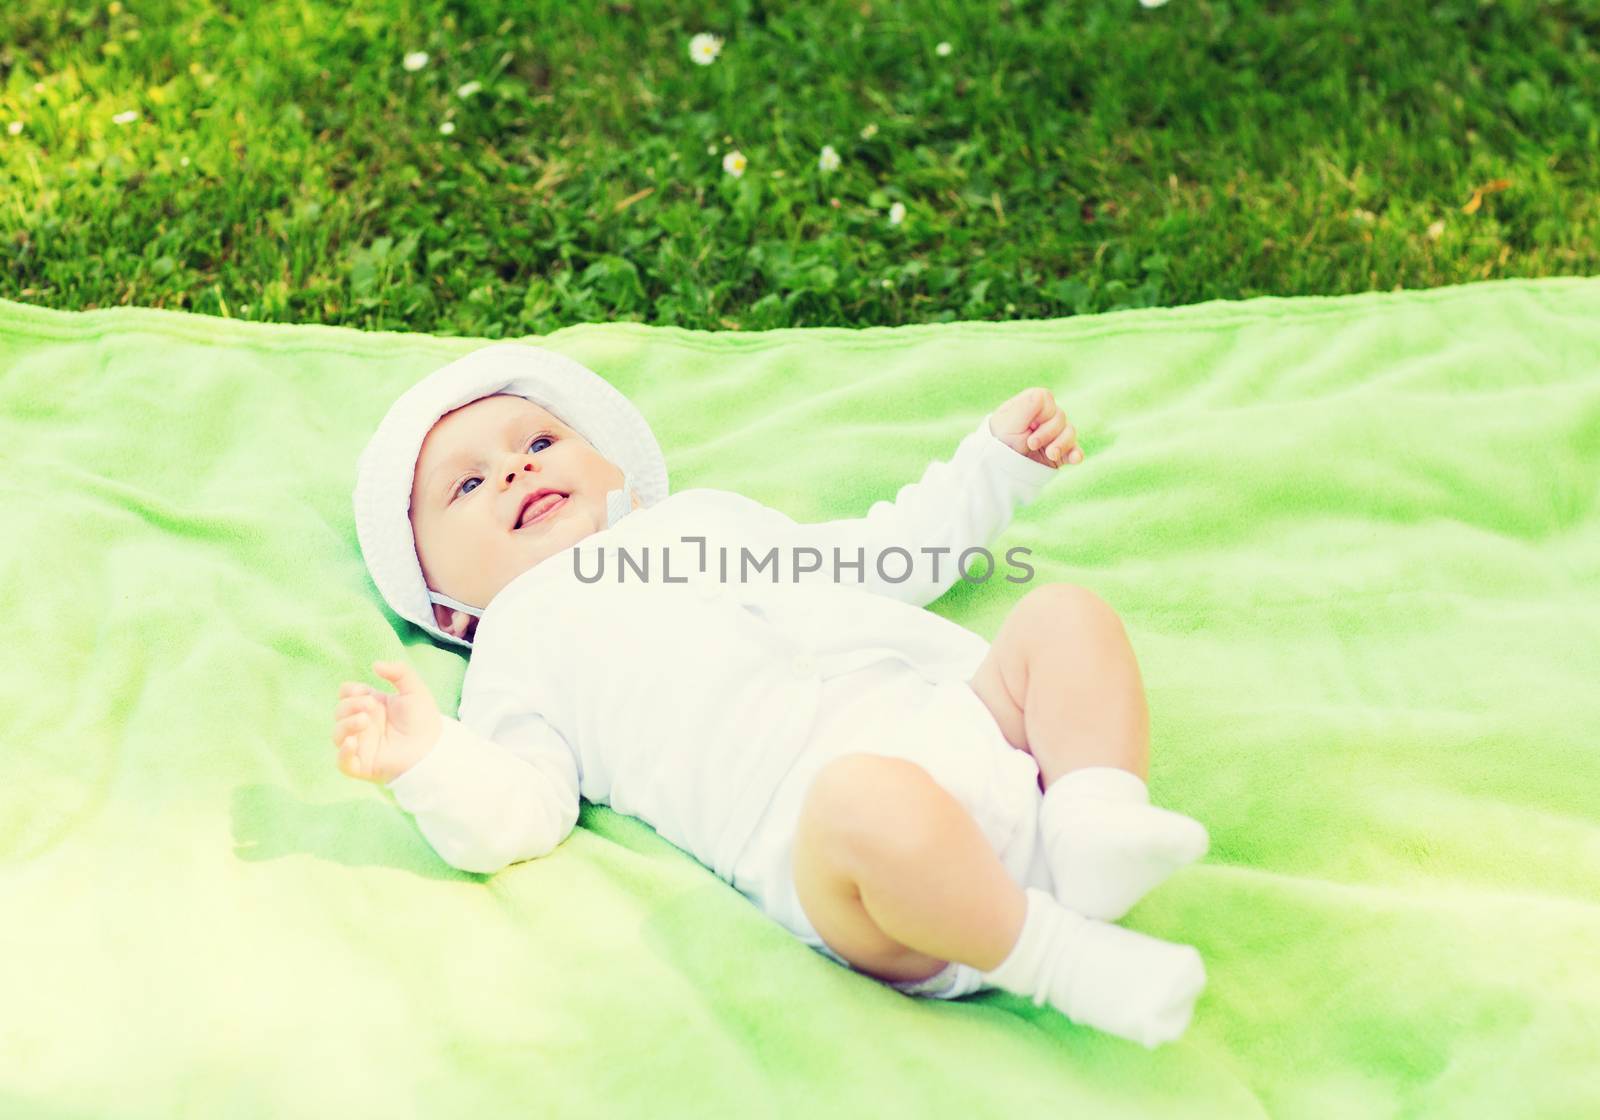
(461, 489)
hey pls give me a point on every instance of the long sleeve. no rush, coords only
(960, 504)
(486, 803)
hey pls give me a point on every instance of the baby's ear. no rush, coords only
(450, 621)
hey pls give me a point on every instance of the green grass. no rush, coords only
(1062, 158)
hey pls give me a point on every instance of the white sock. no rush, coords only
(1107, 846)
(1114, 979)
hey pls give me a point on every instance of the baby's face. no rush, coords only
(477, 466)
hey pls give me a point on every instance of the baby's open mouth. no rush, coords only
(541, 508)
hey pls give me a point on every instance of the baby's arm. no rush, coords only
(484, 803)
(958, 504)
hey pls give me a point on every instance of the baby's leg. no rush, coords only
(896, 876)
(1062, 683)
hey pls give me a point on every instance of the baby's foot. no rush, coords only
(1106, 846)
(1113, 979)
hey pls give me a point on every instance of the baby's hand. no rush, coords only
(381, 735)
(1031, 424)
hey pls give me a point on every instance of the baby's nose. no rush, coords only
(513, 474)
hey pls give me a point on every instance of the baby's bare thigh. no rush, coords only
(1000, 682)
(827, 848)
(1062, 615)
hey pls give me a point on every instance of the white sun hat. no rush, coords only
(575, 394)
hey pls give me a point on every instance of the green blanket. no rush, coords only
(1356, 546)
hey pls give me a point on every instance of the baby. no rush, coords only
(932, 811)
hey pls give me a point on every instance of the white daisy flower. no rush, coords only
(15, 128)
(127, 118)
(943, 49)
(829, 160)
(416, 60)
(897, 213)
(447, 127)
(704, 48)
(468, 89)
(734, 163)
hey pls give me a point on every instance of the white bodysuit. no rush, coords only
(673, 666)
